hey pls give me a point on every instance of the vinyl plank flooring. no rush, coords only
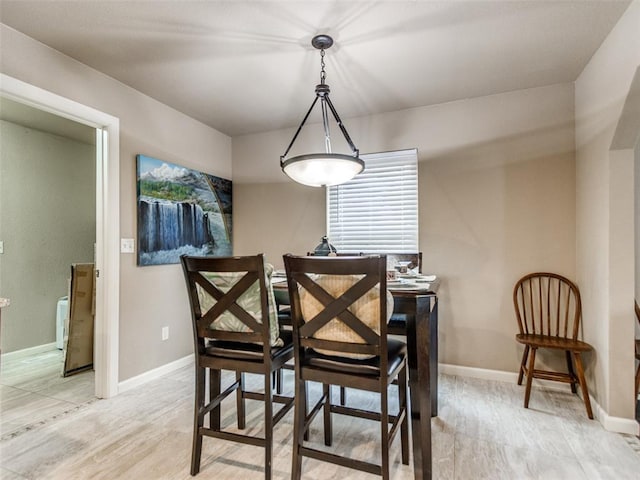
(33, 372)
(137, 450)
(490, 460)
(151, 402)
(40, 453)
(444, 454)
(58, 431)
(600, 451)
(19, 407)
(78, 388)
(9, 475)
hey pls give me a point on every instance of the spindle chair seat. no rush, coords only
(544, 341)
(548, 309)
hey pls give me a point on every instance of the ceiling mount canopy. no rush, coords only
(328, 168)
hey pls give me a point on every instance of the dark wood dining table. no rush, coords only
(419, 307)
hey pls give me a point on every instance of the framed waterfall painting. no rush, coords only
(181, 211)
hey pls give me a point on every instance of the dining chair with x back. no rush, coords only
(235, 328)
(339, 315)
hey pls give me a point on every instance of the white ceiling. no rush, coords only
(245, 67)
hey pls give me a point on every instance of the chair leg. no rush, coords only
(583, 383)
(523, 364)
(404, 426)
(343, 396)
(532, 361)
(384, 432)
(214, 391)
(198, 421)
(571, 372)
(268, 427)
(306, 411)
(328, 427)
(300, 412)
(278, 380)
(240, 404)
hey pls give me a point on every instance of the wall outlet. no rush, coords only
(165, 333)
(127, 245)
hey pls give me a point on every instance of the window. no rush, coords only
(377, 211)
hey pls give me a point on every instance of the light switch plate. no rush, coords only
(1, 246)
(127, 245)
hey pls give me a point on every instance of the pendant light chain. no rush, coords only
(323, 74)
(323, 105)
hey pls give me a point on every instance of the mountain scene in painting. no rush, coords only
(181, 211)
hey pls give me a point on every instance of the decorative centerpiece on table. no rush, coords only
(325, 249)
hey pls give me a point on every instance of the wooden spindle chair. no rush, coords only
(548, 310)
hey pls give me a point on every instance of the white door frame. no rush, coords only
(107, 219)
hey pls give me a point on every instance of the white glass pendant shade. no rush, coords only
(322, 169)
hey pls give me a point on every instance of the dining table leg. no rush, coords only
(433, 354)
(419, 346)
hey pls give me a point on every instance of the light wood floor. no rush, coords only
(53, 428)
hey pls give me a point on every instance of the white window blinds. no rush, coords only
(377, 211)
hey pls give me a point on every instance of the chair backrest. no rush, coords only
(335, 254)
(637, 308)
(414, 258)
(350, 321)
(228, 298)
(547, 304)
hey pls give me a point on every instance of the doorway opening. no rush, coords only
(107, 219)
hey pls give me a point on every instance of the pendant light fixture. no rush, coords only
(328, 168)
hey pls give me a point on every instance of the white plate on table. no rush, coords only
(404, 285)
(424, 279)
(408, 275)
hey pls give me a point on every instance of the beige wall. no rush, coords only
(605, 214)
(47, 222)
(150, 297)
(636, 216)
(497, 183)
(277, 218)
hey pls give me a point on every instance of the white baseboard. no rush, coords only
(26, 352)
(613, 424)
(483, 373)
(496, 375)
(154, 374)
